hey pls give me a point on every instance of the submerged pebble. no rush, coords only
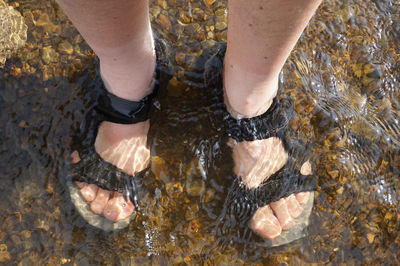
(355, 219)
(13, 32)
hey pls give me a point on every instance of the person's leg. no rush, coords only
(120, 34)
(261, 35)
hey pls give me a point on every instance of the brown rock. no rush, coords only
(208, 3)
(164, 21)
(48, 54)
(162, 3)
(16, 72)
(4, 254)
(65, 47)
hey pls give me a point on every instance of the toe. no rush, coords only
(306, 168)
(100, 202)
(265, 224)
(302, 197)
(280, 208)
(117, 208)
(75, 157)
(294, 206)
(89, 191)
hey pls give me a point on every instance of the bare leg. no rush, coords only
(261, 35)
(120, 34)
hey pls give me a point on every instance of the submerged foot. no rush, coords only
(124, 146)
(257, 160)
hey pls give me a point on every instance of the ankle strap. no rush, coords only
(272, 123)
(117, 110)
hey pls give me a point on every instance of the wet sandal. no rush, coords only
(286, 181)
(93, 169)
(241, 202)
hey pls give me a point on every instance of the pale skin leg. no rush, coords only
(261, 35)
(119, 32)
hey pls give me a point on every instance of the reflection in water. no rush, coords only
(343, 77)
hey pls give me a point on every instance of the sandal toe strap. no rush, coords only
(93, 169)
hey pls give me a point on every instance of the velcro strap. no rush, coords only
(122, 111)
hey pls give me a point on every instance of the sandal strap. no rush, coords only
(93, 169)
(272, 123)
(117, 110)
(283, 183)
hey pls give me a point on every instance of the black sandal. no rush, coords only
(241, 202)
(93, 169)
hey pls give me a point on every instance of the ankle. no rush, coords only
(128, 71)
(245, 107)
(248, 94)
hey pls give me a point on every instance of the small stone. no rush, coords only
(162, 3)
(155, 11)
(333, 173)
(184, 17)
(43, 20)
(4, 254)
(194, 226)
(65, 260)
(13, 33)
(65, 47)
(164, 21)
(209, 195)
(159, 168)
(221, 14)
(174, 188)
(210, 35)
(370, 238)
(2, 235)
(26, 234)
(23, 124)
(388, 216)
(199, 15)
(48, 54)
(221, 36)
(220, 26)
(208, 3)
(16, 72)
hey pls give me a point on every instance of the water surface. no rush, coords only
(343, 77)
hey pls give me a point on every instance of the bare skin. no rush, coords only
(124, 146)
(261, 35)
(120, 34)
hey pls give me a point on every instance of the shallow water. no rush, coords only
(343, 77)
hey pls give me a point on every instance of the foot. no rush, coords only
(257, 160)
(127, 72)
(124, 146)
(254, 162)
